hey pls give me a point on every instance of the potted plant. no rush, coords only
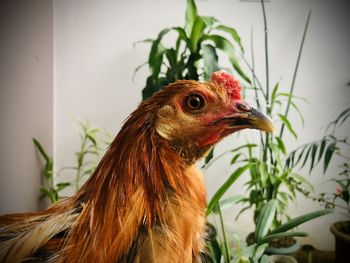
(339, 199)
(341, 229)
(194, 56)
(265, 160)
(256, 251)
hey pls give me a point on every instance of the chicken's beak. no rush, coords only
(250, 118)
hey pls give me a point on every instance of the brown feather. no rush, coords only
(144, 203)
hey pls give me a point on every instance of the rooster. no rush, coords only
(146, 200)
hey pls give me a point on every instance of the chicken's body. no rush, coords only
(146, 200)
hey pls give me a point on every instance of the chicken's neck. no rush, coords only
(138, 160)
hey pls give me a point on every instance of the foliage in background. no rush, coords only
(240, 252)
(92, 144)
(270, 177)
(328, 146)
(49, 189)
(194, 54)
(272, 180)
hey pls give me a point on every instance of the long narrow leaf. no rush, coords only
(226, 46)
(265, 219)
(300, 220)
(233, 34)
(41, 150)
(288, 125)
(283, 234)
(210, 59)
(222, 190)
(196, 33)
(191, 14)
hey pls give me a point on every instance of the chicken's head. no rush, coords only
(196, 115)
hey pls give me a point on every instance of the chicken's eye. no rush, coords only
(194, 103)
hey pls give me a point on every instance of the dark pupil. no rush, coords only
(194, 102)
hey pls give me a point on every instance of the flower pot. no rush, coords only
(280, 246)
(341, 232)
(282, 259)
(284, 250)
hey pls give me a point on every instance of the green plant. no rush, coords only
(49, 188)
(325, 148)
(269, 176)
(194, 54)
(86, 160)
(263, 235)
(89, 152)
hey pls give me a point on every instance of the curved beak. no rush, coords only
(249, 118)
(253, 119)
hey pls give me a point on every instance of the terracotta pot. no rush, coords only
(341, 232)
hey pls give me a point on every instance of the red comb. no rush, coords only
(232, 85)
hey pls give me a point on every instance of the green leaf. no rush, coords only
(263, 175)
(322, 148)
(233, 33)
(48, 169)
(248, 251)
(191, 15)
(259, 251)
(225, 45)
(302, 180)
(210, 59)
(299, 112)
(265, 259)
(248, 145)
(328, 155)
(225, 186)
(228, 202)
(44, 191)
(313, 155)
(235, 158)
(41, 150)
(215, 251)
(288, 125)
(270, 237)
(209, 21)
(300, 220)
(285, 94)
(265, 219)
(196, 33)
(209, 156)
(182, 35)
(155, 58)
(280, 144)
(61, 186)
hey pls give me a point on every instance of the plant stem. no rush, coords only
(80, 163)
(253, 67)
(296, 70)
(254, 79)
(227, 252)
(267, 97)
(266, 58)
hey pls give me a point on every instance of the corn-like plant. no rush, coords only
(194, 54)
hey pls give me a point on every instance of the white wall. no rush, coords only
(95, 59)
(26, 89)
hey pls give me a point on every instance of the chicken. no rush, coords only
(146, 200)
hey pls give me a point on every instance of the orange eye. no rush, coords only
(194, 103)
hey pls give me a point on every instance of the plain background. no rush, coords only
(86, 64)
